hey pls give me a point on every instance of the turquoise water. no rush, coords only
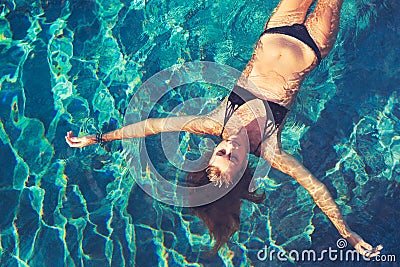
(74, 65)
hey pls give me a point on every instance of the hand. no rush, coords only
(83, 141)
(363, 247)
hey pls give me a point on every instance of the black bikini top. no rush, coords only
(239, 96)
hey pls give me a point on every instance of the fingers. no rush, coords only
(365, 245)
(371, 253)
(367, 250)
(71, 136)
(374, 252)
(72, 141)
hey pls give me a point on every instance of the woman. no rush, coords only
(289, 48)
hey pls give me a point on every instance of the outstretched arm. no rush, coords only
(192, 124)
(286, 163)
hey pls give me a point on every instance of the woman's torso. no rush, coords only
(277, 68)
(275, 72)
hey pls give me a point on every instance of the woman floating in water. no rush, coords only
(289, 48)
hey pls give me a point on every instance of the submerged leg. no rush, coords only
(323, 24)
(289, 12)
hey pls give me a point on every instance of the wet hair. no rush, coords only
(222, 217)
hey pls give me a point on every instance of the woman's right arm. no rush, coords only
(204, 124)
(193, 124)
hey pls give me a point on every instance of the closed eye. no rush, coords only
(234, 159)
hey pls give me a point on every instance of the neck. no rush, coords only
(232, 132)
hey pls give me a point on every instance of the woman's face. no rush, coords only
(230, 156)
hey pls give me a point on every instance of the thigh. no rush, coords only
(289, 12)
(323, 24)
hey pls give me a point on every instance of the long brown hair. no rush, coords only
(222, 217)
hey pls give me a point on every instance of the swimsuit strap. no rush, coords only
(279, 113)
(229, 110)
(300, 32)
(236, 98)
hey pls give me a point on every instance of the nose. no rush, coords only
(224, 152)
(221, 152)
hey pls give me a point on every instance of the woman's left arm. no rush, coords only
(287, 164)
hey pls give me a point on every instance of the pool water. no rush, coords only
(75, 65)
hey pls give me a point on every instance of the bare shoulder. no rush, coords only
(210, 123)
(218, 114)
(213, 121)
